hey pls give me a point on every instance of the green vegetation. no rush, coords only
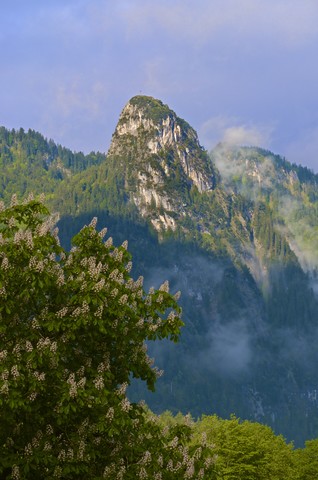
(30, 163)
(243, 252)
(247, 450)
(73, 328)
(153, 108)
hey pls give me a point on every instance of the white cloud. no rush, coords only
(231, 131)
(244, 135)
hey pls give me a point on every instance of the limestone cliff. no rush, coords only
(161, 160)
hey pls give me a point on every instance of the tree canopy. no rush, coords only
(73, 327)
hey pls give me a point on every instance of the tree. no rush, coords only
(246, 450)
(73, 327)
(306, 460)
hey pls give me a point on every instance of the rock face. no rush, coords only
(161, 159)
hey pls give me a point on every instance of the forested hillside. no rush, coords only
(77, 321)
(234, 230)
(31, 163)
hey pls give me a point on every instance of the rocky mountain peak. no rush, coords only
(162, 159)
(157, 129)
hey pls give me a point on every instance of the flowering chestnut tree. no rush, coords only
(73, 327)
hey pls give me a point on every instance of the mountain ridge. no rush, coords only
(238, 238)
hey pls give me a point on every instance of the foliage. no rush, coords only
(73, 328)
(31, 163)
(154, 108)
(240, 254)
(307, 461)
(246, 450)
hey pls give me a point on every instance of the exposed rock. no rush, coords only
(166, 153)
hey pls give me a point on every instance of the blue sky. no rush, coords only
(243, 71)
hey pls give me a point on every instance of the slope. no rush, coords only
(234, 231)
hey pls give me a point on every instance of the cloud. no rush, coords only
(224, 348)
(230, 351)
(243, 135)
(230, 131)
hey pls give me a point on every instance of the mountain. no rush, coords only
(290, 191)
(161, 160)
(234, 230)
